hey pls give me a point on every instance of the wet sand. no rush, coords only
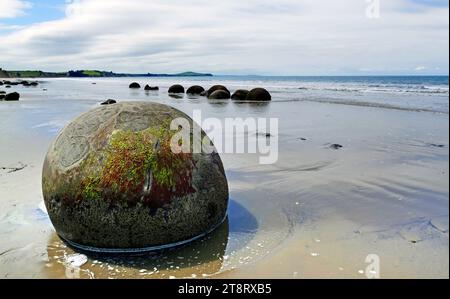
(316, 213)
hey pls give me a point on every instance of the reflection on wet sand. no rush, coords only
(151, 92)
(218, 103)
(258, 106)
(202, 258)
(176, 96)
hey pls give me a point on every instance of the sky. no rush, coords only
(235, 37)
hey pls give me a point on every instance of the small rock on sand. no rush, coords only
(258, 94)
(195, 90)
(109, 102)
(336, 146)
(135, 85)
(240, 95)
(219, 95)
(177, 88)
(76, 260)
(152, 88)
(13, 96)
(215, 88)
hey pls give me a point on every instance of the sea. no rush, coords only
(416, 93)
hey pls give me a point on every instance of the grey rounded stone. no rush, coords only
(13, 96)
(240, 95)
(259, 94)
(135, 85)
(216, 87)
(219, 95)
(195, 90)
(177, 88)
(111, 182)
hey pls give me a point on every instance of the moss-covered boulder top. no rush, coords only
(115, 162)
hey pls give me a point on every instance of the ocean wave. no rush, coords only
(365, 104)
(379, 88)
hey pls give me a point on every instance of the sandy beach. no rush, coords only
(316, 213)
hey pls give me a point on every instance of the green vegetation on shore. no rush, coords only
(88, 74)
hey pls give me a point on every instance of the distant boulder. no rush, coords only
(14, 96)
(219, 95)
(336, 146)
(135, 85)
(216, 87)
(195, 90)
(25, 83)
(258, 94)
(177, 88)
(240, 95)
(148, 87)
(34, 83)
(109, 102)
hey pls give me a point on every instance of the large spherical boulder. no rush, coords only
(135, 85)
(177, 88)
(216, 87)
(195, 90)
(219, 95)
(258, 94)
(112, 183)
(13, 96)
(240, 95)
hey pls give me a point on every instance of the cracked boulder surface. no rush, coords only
(110, 180)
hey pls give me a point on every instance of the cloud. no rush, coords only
(234, 36)
(13, 8)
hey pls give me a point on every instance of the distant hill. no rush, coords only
(90, 74)
(30, 74)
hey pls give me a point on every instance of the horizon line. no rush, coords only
(240, 75)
